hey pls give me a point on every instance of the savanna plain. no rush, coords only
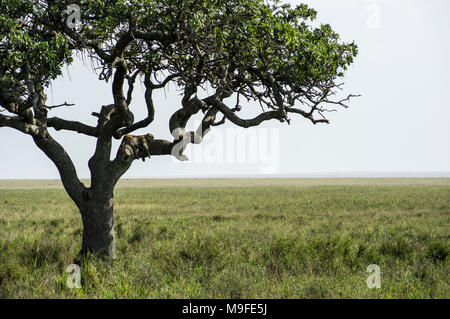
(234, 238)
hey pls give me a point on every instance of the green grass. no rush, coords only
(235, 239)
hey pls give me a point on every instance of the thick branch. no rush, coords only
(120, 102)
(150, 110)
(180, 118)
(60, 124)
(65, 166)
(16, 123)
(125, 157)
(230, 115)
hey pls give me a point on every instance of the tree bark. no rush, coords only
(98, 228)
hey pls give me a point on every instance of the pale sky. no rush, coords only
(399, 124)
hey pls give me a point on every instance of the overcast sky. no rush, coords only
(399, 124)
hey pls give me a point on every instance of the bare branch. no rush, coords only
(131, 80)
(59, 105)
(165, 81)
(341, 102)
(230, 115)
(306, 115)
(60, 124)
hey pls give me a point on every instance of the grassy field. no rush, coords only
(260, 238)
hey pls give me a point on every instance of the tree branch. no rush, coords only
(60, 124)
(67, 171)
(152, 35)
(126, 117)
(131, 80)
(125, 157)
(59, 105)
(307, 115)
(16, 123)
(150, 110)
(230, 115)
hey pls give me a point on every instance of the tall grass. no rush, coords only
(235, 242)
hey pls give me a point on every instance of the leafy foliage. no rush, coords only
(263, 50)
(28, 49)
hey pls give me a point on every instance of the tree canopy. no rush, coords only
(260, 50)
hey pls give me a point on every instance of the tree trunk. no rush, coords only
(98, 228)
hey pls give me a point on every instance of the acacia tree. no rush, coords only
(253, 50)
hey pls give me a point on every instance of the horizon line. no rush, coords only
(331, 175)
